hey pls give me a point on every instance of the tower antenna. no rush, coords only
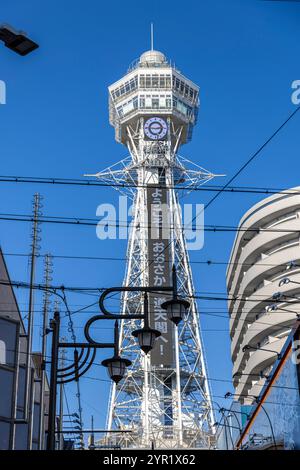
(152, 39)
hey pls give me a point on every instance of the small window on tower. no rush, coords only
(162, 81)
(155, 81)
(155, 103)
(142, 81)
(142, 102)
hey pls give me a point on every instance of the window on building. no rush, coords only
(155, 103)
(6, 388)
(8, 338)
(2, 352)
(4, 435)
(21, 437)
(142, 81)
(155, 81)
(21, 393)
(142, 102)
(162, 81)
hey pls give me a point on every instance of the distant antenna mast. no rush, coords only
(151, 36)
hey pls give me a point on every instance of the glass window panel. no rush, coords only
(21, 393)
(162, 81)
(8, 336)
(135, 102)
(36, 422)
(4, 435)
(128, 107)
(155, 103)
(2, 352)
(6, 387)
(155, 81)
(21, 436)
(162, 102)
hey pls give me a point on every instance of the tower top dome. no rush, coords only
(152, 58)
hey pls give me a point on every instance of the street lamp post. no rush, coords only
(116, 365)
(83, 360)
(17, 41)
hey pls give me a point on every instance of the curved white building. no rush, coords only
(266, 251)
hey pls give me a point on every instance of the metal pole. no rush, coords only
(34, 249)
(147, 366)
(53, 382)
(44, 352)
(61, 402)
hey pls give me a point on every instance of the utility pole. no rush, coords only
(33, 255)
(54, 325)
(92, 437)
(61, 400)
(46, 302)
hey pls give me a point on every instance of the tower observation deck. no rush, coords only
(165, 398)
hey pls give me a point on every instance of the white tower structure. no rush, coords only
(165, 398)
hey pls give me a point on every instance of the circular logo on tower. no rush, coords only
(155, 128)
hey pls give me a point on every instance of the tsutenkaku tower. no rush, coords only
(165, 398)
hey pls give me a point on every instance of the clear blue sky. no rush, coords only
(244, 56)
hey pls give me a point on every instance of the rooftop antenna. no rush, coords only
(151, 36)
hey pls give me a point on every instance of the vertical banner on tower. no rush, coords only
(159, 272)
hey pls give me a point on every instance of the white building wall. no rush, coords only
(266, 242)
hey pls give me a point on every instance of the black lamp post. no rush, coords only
(17, 41)
(84, 353)
(84, 356)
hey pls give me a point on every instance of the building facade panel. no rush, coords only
(266, 243)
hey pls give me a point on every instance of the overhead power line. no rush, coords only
(106, 223)
(95, 183)
(111, 258)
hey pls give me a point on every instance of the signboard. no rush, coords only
(159, 273)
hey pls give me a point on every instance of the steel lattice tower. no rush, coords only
(165, 397)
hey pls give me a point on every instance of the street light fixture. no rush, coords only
(146, 336)
(116, 365)
(176, 308)
(17, 41)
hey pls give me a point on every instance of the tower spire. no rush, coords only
(151, 36)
